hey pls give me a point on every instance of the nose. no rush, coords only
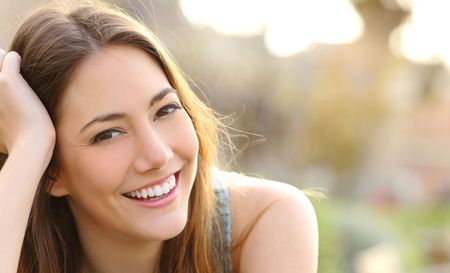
(152, 151)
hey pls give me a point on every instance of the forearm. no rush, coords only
(19, 179)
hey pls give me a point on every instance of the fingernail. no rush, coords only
(2, 51)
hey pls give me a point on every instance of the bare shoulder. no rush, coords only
(278, 223)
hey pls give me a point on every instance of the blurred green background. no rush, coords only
(348, 96)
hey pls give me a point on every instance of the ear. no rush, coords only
(57, 188)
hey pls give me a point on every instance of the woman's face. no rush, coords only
(122, 136)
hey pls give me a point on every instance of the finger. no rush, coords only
(11, 63)
(2, 55)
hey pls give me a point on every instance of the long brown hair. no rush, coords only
(53, 42)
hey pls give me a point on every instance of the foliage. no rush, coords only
(415, 231)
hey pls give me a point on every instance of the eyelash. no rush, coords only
(171, 108)
(165, 110)
(99, 137)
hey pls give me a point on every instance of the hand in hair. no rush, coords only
(28, 136)
(23, 117)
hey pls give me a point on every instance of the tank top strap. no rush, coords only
(224, 212)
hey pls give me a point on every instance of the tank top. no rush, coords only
(224, 211)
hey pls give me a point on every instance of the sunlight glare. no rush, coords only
(288, 26)
(231, 17)
(293, 26)
(340, 23)
(423, 37)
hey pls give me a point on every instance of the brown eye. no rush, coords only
(105, 135)
(167, 109)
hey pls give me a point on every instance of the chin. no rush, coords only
(164, 228)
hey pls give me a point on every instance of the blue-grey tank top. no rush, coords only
(224, 212)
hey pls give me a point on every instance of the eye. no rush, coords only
(167, 109)
(105, 135)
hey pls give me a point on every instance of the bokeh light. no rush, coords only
(288, 26)
(423, 37)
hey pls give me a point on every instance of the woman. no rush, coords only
(102, 130)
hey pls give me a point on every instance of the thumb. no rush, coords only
(11, 63)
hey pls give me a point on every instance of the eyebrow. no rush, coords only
(115, 116)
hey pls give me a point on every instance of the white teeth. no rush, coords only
(172, 183)
(144, 193)
(165, 188)
(155, 191)
(150, 192)
(158, 190)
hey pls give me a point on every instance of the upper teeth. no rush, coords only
(154, 191)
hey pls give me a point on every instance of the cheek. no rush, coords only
(184, 138)
(91, 171)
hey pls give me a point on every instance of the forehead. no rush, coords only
(109, 78)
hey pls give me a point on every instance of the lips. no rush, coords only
(154, 191)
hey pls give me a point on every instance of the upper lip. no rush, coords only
(154, 182)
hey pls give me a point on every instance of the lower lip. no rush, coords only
(164, 201)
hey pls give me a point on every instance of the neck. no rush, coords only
(111, 253)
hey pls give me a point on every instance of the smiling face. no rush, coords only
(127, 150)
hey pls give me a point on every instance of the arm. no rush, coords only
(27, 135)
(284, 238)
